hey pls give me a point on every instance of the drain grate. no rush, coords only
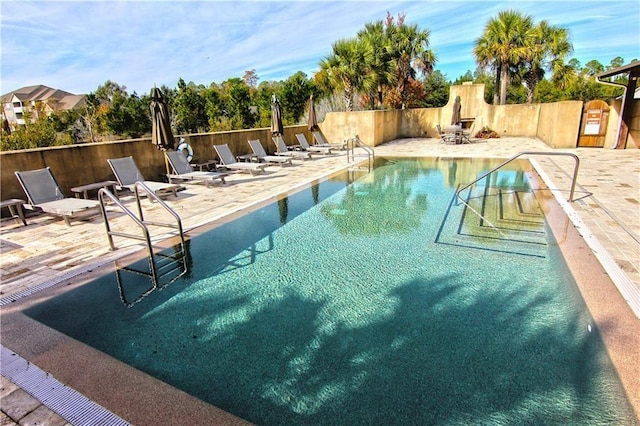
(71, 405)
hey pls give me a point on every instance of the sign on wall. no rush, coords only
(593, 121)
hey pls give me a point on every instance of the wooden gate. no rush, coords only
(593, 127)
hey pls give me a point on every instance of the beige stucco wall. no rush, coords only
(86, 163)
(372, 127)
(557, 124)
(633, 139)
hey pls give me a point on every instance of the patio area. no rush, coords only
(48, 251)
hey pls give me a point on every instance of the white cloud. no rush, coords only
(79, 45)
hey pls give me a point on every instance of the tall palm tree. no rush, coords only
(504, 45)
(346, 67)
(549, 47)
(379, 66)
(409, 52)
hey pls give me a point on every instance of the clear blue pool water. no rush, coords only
(376, 300)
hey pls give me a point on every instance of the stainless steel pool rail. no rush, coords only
(104, 195)
(504, 163)
(351, 144)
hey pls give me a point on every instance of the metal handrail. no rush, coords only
(352, 142)
(104, 194)
(573, 181)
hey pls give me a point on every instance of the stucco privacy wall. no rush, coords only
(557, 124)
(86, 163)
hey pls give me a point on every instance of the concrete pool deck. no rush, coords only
(47, 251)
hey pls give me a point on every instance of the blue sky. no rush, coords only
(78, 45)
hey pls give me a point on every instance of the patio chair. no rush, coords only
(446, 137)
(44, 193)
(304, 144)
(258, 150)
(321, 141)
(127, 174)
(228, 161)
(467, 134)
(281, 149)
(183, 171)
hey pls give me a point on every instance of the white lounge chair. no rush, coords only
(44, 193)
(258, 150)
(127, 174)
(304, 144)
(281, 149)
(321, 141)
(183, 171)
(228, 161)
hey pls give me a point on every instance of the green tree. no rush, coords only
(592, 68)
(503, 46)
(213, 107)
(547, 49)
(616, 62)
(128, 117)
(110, 109)
(237, 104)
(345, 68)
(293, 95)
(436, 88)
(262, 101)
(379, 66)
(38, 133)
(189, 108)
(410, 55)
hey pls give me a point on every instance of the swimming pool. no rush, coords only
(386, 302)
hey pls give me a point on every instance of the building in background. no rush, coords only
(32, 101)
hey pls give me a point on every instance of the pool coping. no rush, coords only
(613, 316)
(144, 397)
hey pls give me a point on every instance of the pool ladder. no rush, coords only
(178, 262)
(351, 144)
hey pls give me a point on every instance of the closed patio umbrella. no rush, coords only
(161, 134)
(455, 118)
(312, 123)
(276, 117)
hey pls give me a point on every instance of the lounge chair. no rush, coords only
(304, 144)
(228, 161)
(183, 171)
(321, 141)
(258, 150)
(127, 174)
(281, 149)
(44, 193)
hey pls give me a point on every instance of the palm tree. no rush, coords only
(504, 45)
(345, 68)
(549, 47)
(379, 67)
(409, 52)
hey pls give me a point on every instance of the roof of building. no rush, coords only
(41, 93)
(631, 67)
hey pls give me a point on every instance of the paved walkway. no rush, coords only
(47, 251)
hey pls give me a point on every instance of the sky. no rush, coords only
(77, 46)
